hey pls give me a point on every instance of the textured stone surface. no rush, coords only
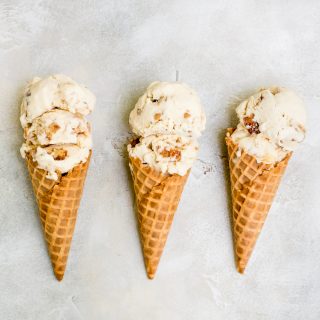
(225, 50)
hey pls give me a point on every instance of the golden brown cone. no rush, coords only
(58, 203)
(253, 187)
(157, 199)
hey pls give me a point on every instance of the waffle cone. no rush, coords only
(58, 203)
(157, 199)
(253, 187)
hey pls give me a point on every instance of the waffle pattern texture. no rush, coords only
(157, 199)
(58, 203)
(253, 187)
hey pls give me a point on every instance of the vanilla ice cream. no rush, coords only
(168, 108)
(171, 154)
(59, 158)
(271, 124)
(59, 126)
(57, 136)
(168, 118)
(57, 91)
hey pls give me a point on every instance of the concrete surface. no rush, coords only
(225, 50)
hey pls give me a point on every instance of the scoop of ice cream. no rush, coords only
(58, 127)
(271, 124)
(57, 91)
(168, 108)
(170, 154)
(57, 135)
(59, 159)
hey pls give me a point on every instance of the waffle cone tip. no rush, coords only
(59, 276)
(151, 266)
(241, 266)
(59, 267)
(151, 274)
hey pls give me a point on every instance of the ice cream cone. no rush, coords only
(157, 199)
(253, 187)
(58, 203)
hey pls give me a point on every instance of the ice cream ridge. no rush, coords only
(271, 126)
(57, 150)
(167, 120)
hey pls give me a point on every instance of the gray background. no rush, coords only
(225, 50)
